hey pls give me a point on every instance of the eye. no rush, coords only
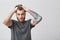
(18, 14)
(22, 14)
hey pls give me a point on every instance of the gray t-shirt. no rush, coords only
(21, 31)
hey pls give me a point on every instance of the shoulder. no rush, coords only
(29, 22)
(13, 23)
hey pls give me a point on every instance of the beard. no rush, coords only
(21, 19)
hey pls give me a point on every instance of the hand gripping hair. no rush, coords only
(20, 7)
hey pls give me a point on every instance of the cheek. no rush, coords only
(17, 17)
(23, 16)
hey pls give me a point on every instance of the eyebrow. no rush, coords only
(19, 13)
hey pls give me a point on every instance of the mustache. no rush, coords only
(20, 18)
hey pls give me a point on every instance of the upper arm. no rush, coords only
(34, 21)
(9, 23)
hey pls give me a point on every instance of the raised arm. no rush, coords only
(7, 21)
(37, 17)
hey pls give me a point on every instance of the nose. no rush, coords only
(20, 16)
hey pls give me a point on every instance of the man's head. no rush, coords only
(20, 13)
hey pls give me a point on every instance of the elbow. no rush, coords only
(40, 18)
(4, 22)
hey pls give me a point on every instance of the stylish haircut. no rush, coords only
(20, 7)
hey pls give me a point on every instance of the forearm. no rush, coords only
(36, 16)
(8, 17)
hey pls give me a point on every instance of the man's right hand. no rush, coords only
(15, 9)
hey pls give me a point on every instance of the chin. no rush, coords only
(21, 21)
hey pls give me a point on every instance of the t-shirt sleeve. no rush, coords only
(31, 26)
(13, 21)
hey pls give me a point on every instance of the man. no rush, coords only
(21, 29)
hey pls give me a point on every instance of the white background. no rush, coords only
(47, 29)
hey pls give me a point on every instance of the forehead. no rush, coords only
(20, 11)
